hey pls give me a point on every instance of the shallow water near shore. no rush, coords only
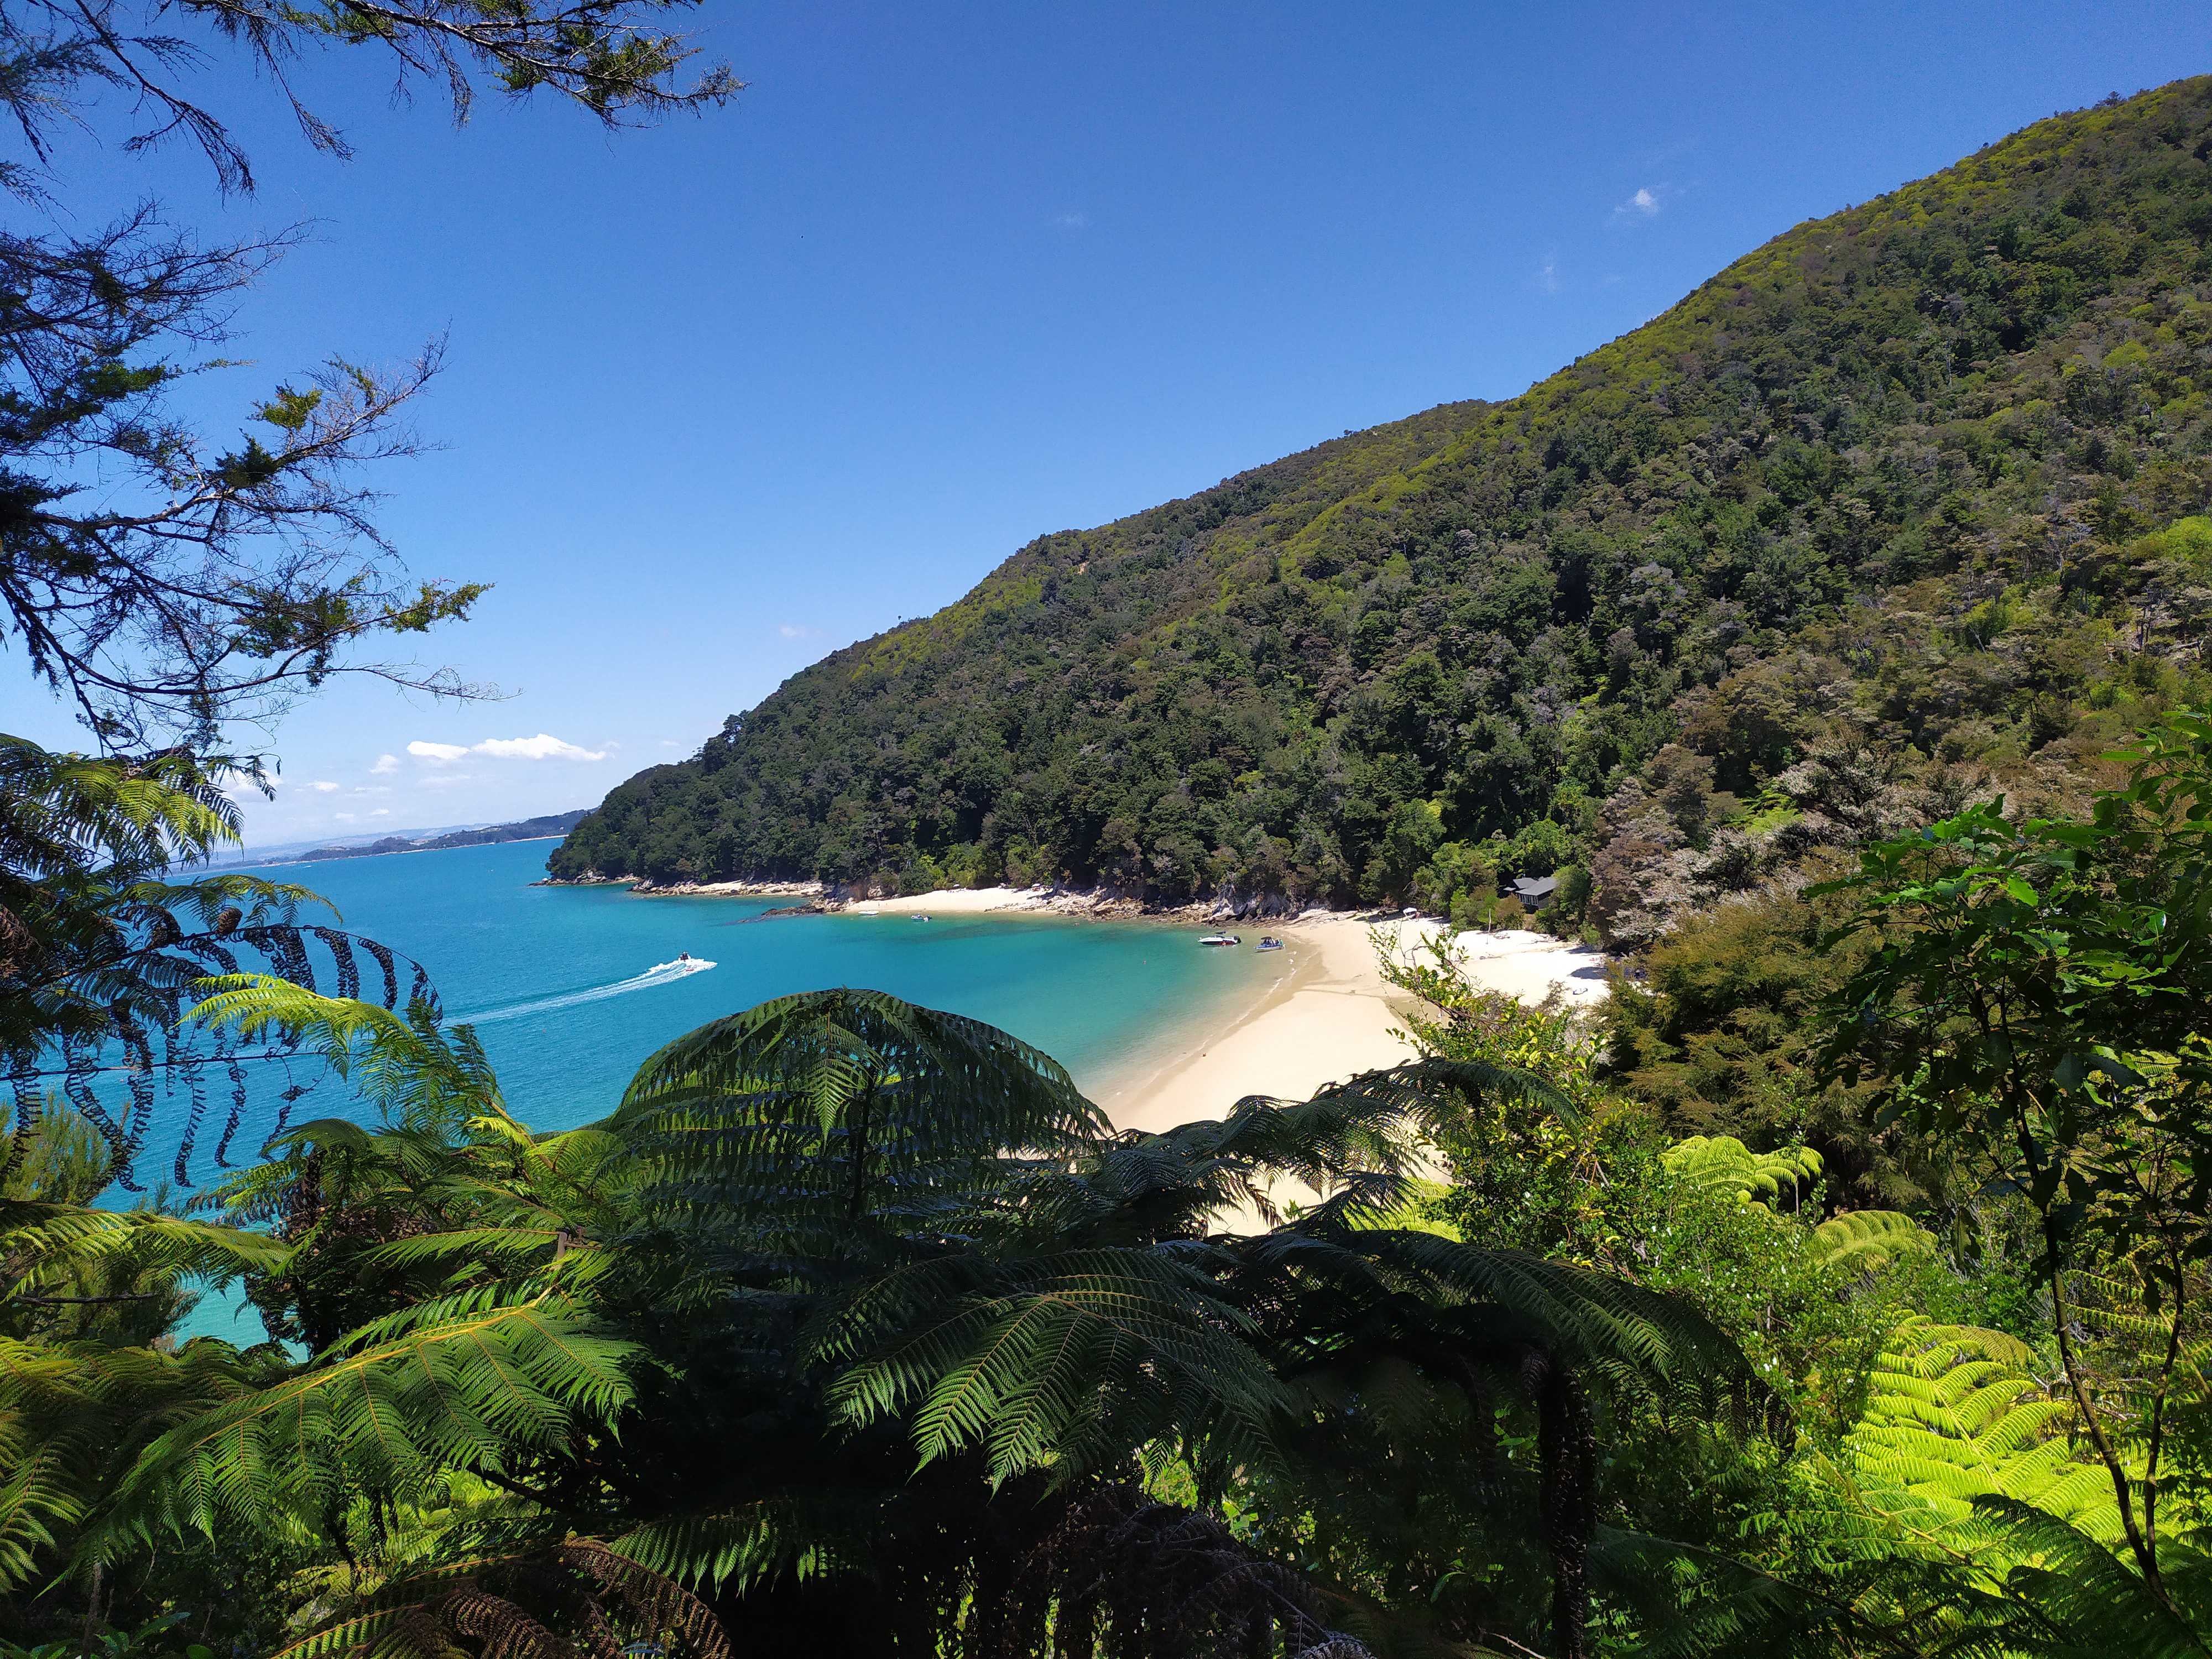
(563, 981)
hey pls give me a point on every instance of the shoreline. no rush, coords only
(1332, 1015)
(1328, 1016)
(948, 901)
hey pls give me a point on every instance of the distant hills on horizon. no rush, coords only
(438, 839)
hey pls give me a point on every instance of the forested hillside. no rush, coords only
(1906, 496)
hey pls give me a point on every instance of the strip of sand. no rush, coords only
(1333, 1015)
(1328, 1016)
(956, 901)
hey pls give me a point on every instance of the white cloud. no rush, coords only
(1548, 277)
(798, 631)
(544, 746)
(381, 812)
(1073, 221)
(446, 780)
(321, 787)
(1645, 204)
(386, 765)
(343, 817)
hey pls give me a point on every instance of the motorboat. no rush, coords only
(920, 916)
(1221, 938)
(1270, 943)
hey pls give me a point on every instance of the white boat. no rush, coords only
(1270, 943)
(1221, 938)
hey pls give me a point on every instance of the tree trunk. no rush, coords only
(1566, 1452)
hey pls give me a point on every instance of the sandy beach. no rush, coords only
(1328, 1015)
(962, 901)
(1331, 1015)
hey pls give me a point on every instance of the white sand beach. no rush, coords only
(1328, 1016)
(1332, 1015)
(1525, 965)
(962, 901)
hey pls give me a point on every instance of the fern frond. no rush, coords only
(518, 1607)
(407, 1066)
(1867, 1240)
(467, 1382)
(1721, 1163)
(43, 1245)
(1952, 1415)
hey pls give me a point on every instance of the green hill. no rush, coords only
(1907, 478)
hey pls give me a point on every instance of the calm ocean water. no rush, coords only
(559, 981)
(559, 978)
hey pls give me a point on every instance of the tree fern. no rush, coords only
(1955, 1413)
(101, 949)
(1723, 1163)
(1964, 1519)
(813, 1124)
(73, 1415)
(44, 1248)
(546, 1603)
(1867, 1240)
(471, 1382)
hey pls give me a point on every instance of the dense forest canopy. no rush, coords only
(1921, 476)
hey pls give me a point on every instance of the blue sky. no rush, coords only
(727, 394)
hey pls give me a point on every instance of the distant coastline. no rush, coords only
(552, 827)
(1094, 902)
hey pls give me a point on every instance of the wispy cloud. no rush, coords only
(798, 631)
(1644, 204)
(381, 812)
(1548, 277)
(544, 746)
(343, 817)
(386, 765)
(322, 788)
(1073, 221)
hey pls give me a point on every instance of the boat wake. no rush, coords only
(665, 972)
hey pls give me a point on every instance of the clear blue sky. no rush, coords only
(727, 394)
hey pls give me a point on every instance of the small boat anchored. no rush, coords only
(1221, 938)
(1269, 943)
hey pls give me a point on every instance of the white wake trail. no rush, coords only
(665, 972)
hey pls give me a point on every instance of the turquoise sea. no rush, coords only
(559, 983)
(559, 979)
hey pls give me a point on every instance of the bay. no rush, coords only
(559, 983)
(559, 979)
